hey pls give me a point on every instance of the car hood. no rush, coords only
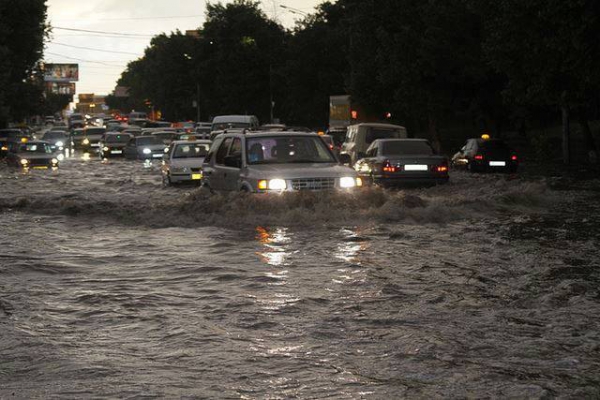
(115, 145)
(36, 156)
(296, 171)
(153, 147)
(187, 162)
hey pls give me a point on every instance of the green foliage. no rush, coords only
(22, 30)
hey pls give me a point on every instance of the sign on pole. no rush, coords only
(61, 72)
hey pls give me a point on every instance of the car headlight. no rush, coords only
(85, 141)
(105, 148)
(272, 184)
(24, 162)
(348, 182)
(147, 151)
(60, 144)
(54, 161)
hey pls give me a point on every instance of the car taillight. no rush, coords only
(442, 168)
(478, 157)
(388, 167)
(513, 157)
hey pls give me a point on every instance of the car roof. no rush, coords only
(191, 141)
(379, 125)
(401, 140)
(276, 133)
(232, 118)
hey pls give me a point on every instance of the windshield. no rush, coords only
(37, 148)
(192, 150)
(287, 149)
(9, 133)
(230, 125)
(118, 138)
(78, 132)
(54, 135)
(148, 141)
(406, 147)
(95, 131)
(494, 145)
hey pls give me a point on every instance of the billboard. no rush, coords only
(61, 72)
(66, 88)
(86, 98)
(121, 91)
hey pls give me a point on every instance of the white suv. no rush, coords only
(261, 162)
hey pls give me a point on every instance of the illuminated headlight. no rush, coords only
(105, 148)
(166, 150)
(54, 161)
(24, 162)
(348, 182)
(147, 151)
(59, 144)
(273, 184)
(85, 141)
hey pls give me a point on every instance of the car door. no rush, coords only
(219, 172)
(231, 173)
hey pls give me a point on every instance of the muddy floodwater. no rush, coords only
(112, 286)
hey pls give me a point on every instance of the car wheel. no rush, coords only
(166, 180)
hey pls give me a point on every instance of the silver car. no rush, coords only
(183, 161)
(261, 162)
(144, 148)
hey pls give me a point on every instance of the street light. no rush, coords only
(294, 10)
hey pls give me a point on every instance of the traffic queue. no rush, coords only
(237, 154)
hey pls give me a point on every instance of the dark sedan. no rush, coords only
(34, 154)
(394, 162)
(486, 155)
(113, 143)
(144, 148)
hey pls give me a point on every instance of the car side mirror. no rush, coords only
(233, 161)
(345, 158)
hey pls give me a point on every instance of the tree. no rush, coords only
(22, 31)
(549, 51)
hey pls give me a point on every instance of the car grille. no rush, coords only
(35, 163)
(196, 170)
(313, 184)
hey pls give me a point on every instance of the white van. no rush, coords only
(360, 136)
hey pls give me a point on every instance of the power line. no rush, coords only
(100, 36)
(87, 61)
(103, 32)
(133, 18)
(93, 49)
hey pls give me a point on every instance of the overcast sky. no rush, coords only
(140, 20)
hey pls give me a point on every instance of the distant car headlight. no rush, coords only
(105, 148)
(54, 161)
(24, 162)
(348, 182)
(147, 151)
(85, 141)
(60, 144)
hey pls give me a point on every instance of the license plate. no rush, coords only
(157, 155)
(497, 163)
(196, 176)
(40, 167)
(116, 152)
(95, 144)
(415, 167)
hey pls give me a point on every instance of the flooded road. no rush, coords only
(113, 286)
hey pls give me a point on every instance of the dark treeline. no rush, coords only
(22, 30)
(472, 64)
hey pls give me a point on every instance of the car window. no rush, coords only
(406, 147)
(236, 147)
(148, 141)
(379, 133)
(34, 148)
(192, 150)
(287, 149)
(117, 139)
(222, 152)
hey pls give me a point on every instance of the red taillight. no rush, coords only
(388, 167)
(513, 157)
(478, 157)
(331, 146)
(442, 168)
